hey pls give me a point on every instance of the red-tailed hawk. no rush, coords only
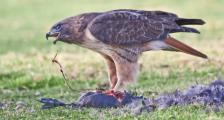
(121, 36)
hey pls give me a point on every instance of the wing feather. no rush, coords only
(127, 27)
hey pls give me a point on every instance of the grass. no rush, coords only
(27, 74)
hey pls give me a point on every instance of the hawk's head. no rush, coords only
(68, 30)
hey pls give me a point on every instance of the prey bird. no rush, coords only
(121, 36)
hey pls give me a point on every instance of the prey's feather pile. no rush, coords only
(211, 96)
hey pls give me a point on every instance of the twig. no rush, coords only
(54, 60)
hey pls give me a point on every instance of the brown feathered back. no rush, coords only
(126, 27)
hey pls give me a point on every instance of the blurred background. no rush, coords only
(25, 54)
(24, 22)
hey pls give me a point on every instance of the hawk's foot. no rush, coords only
(117, 94)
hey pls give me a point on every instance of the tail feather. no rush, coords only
(184, 21)
(184, 29)
(183, 47)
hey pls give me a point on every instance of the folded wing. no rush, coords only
(127, 27)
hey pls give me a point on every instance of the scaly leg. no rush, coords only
(126, 73)
(111, 71)
(121, 72)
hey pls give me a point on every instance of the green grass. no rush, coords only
(27, 74)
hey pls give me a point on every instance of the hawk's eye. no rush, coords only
(58, 27)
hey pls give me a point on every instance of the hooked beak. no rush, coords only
(52, 34)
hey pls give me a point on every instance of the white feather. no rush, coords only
(157, 45)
